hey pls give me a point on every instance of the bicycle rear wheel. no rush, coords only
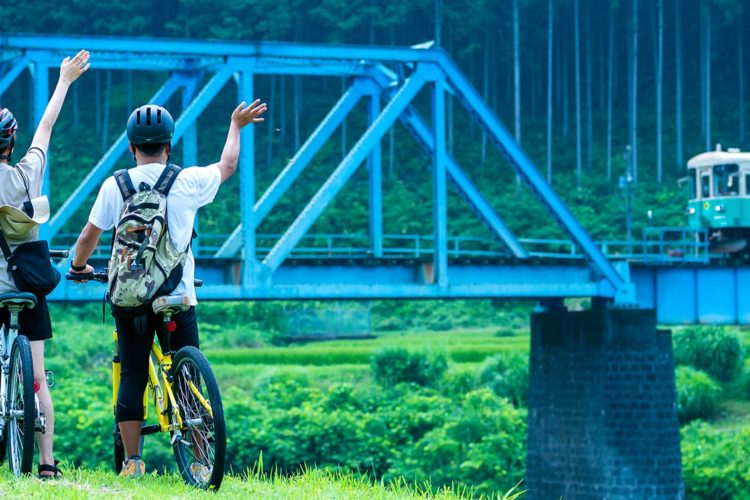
(201, 450)
(20, 434)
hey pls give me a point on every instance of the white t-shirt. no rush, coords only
(194, 187)
(29, 172)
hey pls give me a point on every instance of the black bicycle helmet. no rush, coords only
(150, 124)
(8, 127)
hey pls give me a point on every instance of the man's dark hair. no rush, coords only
(151, 149)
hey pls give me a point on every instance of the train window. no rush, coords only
(726, 180)
(747, 184)
(691, 189)
(705, 185)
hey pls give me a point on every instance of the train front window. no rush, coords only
(726, 180)
(706, 185)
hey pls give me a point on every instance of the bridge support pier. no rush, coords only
(602, 407)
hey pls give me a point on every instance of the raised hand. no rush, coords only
(71, 69)
(244, 114)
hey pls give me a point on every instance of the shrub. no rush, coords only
(457, 382)
(482, 443)
(507, 375)
(394, 365)
(715, 463)
(716, 350)
(697, 394)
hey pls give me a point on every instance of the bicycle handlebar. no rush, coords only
(102, 277)
(59, 254)
(99, 276)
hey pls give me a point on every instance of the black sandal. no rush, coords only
(56, 473)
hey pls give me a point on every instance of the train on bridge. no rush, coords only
(720, 199)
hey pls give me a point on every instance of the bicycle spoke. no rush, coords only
(196, 419)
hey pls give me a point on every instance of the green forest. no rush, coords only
(612, 74)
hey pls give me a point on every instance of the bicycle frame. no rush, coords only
(159, 384)
(9, 334)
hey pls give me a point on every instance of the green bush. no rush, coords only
(507, 375)
(482, 442)
(716, 464)
(717, 351)
(697, 394)
(394, 365)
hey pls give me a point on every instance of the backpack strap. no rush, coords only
(5, 248)
(167, 178)
(124, 184)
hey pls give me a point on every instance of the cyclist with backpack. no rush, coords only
(23, 210)
(152, 208)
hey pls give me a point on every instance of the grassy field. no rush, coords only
(462, 346)
(313, 484)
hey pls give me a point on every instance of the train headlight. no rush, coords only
(690, 211)
(718, 208)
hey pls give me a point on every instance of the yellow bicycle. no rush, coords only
(186, 398)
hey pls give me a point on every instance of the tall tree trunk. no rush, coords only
(105, 118)
(486, 86)
(659, 69)
(282, 114)
(708, 75)
(438, 22)
(610, 72)
(129, 75)
(578, 92)
(566, 86)
(702, 51)
(270, 126)
(602, 70)
(550, 41)
(741, 74)
(75, 106)
(516, 73)
(297, 111)
(634, 96)
(343, 124)
(98, 103)
(589, 103)
(678, 85)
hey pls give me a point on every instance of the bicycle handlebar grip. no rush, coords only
(59, 254)
(197, 283)
(95, 276)
(79, 276)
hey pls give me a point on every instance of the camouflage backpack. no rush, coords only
(144, 262)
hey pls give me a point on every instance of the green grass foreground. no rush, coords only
(313, 484)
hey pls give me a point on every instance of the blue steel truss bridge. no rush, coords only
(669, 270)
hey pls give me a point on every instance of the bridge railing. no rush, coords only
(657, 245)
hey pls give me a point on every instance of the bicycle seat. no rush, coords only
(24, 299)
(171, 304)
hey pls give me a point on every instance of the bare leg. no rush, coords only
(131, 437)
(45, 440)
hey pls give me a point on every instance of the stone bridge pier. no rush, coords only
(602, 407)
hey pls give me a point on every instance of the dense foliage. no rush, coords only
(478, 35)
(716, 464)
(715, 350)
(697, 394)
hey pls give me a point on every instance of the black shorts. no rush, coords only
(33, 323)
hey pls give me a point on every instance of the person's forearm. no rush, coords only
(49, 118)
(86, 245)
(231, 153)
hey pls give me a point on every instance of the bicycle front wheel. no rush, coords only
(22, 411)
(201, 449)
